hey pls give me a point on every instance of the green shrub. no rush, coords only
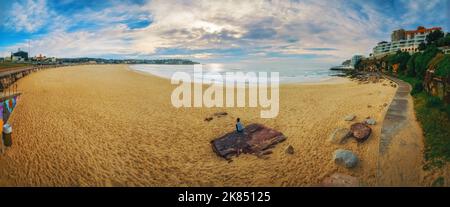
(417, 88)
(410, 69)
(447, 110)
(434, 36)
(433, 101)
(422, 60)
(443, 67)
(439, 182)
(434, 119)
(444, 41)
(400, 58)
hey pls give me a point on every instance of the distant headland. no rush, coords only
(22, 57)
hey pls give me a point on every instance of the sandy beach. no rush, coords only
(107, 125)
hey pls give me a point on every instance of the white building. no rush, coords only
(17, 59)
(445, 49)
(407, 41)
(355, 60)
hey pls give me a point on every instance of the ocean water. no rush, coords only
(294, 75)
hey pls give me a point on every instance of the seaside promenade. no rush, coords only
(401, 142)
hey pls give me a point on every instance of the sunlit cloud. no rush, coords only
(306, 31)
(28, 16)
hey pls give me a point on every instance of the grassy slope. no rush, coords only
(434, 117)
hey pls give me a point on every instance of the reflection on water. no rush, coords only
(296, 75)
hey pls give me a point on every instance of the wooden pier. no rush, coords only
(9, 76)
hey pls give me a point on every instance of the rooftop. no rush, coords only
(421, 29)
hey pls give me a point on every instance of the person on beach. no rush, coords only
(239, 126)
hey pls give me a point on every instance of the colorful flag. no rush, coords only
(8, 105)
(1, 114)
(5, 104)
(13, 100)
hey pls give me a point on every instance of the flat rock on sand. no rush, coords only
(339, 135)
(255, 139)
(220, 114)
(349, 117)
(370, 121)
(340, 180)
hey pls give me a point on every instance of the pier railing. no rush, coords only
(9, 76)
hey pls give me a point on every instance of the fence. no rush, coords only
(10, 76)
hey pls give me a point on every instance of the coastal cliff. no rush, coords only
(428, 73)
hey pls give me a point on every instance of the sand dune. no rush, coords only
(109, 126)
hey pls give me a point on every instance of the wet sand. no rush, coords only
(110, 126)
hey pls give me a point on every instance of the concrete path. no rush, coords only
(401, 142)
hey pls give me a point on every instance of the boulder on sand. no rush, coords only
(370, 121)
(349, 117)
(255, 139)
(290, 150)
(345, 158)
(360, 131)
(339, 135)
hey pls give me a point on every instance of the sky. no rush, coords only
(298, 33)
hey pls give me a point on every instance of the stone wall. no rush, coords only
(434, 85)
(8, 78)
(437, 86)
(373, 65)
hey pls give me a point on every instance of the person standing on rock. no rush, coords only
(239, 126)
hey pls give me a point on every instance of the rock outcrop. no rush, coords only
(255, 139)
(437, 86)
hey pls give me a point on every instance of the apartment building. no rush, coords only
(406, 41)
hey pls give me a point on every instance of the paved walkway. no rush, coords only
(401, 142)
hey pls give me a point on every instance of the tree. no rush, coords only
(403, 60)
(422, 46)
(410, 69)
(400, 58)
(422, 60)
(443, 67)
(434, 36)
(444, 41)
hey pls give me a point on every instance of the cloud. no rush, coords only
(29, 15)
(416, 9)
(260, 30)
(320, 49)
(111, 41)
